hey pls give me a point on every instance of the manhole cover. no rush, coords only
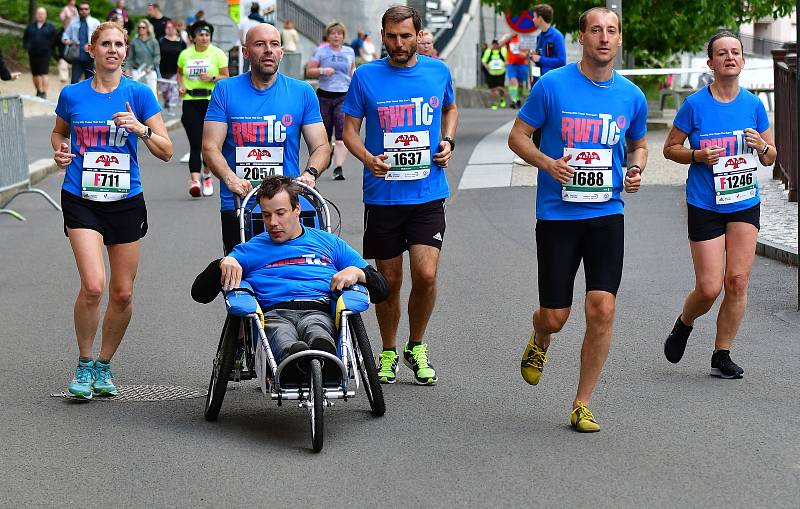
(148, 393)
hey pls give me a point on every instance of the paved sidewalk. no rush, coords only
(32, 105)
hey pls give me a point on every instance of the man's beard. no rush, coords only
(405, 57)
(263, 71)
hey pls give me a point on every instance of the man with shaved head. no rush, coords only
(253, 126)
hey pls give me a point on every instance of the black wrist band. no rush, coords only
(693, 159)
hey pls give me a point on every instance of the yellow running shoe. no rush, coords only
(533, 360)
(582, 419)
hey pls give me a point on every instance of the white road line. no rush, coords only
(490, 163)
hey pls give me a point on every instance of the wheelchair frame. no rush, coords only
(355, 359)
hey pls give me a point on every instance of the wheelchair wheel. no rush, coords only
(366, 366)
(316, 405)
(223, 364)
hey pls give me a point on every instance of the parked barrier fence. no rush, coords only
(786, 166)
(14, 173)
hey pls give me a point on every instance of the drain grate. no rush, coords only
(147, 393)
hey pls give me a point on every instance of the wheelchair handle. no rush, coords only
(240, 205)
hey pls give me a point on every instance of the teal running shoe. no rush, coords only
(81, 386)
(387, 367)
(417, 360)
(103, 379)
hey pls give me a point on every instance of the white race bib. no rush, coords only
(409, 155)
(592, 181)
(196, 67)
(735, 178)
(257, 163)
(106, 176)
(496, 65)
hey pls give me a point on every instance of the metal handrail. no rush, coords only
(786, 76)
(305, 22)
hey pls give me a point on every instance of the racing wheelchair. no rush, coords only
(244, 351)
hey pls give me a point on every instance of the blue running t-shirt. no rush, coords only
(574, 112)
(397, 100)
(88, 114)
(263, 118)
(708, 122)
(298, 269)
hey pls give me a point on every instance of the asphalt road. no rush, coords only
(672, 435)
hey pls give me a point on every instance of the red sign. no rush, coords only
(523, 23)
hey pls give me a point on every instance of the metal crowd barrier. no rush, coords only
(14, 171)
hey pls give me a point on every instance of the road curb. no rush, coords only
(777, 252)
(43, 168)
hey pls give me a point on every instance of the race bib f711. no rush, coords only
(106, 176)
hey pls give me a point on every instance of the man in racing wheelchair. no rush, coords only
(293, 271)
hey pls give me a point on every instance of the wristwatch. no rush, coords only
(451, 142)
(147, 133)
(313, 171)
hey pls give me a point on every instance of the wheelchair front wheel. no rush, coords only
(366, 366)
(223, 364)
(316, 405)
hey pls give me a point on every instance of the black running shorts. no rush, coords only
(560, 247)
(709, 224)
(495, 81)
(389, 230)
(119, 222)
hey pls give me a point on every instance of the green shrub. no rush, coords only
(17, 10)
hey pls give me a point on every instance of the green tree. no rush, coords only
(653, 31)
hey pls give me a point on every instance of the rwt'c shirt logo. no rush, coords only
(406, 139)
(107, 160)
(588, 157)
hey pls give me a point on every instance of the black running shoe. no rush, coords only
(294, 373)
(723, 367)
(676, 341)
(338, 174)
(323, 344)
